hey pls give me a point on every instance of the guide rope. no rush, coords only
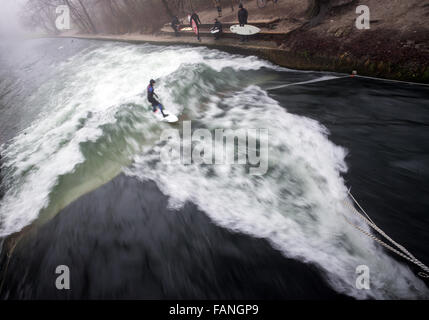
(392, 80)
(399, 250)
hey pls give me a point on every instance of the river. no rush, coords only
(80, 167)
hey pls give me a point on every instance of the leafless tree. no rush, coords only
(112, 16)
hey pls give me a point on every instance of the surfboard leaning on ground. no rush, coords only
(245, 30)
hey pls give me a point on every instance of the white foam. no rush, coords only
(296, 206)
(96, 81)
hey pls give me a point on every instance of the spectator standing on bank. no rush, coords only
(218, 7)
(242, 20)
(175, 25)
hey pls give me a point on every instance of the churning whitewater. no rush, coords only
(86, 120)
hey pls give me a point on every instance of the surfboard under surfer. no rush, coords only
(150, 97)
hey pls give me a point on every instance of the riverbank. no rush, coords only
(297, 56)
(306, 35)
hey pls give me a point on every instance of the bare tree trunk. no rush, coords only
(94, 30)
(78, 19)
(313, 8)
(167, 8)
(317, 10)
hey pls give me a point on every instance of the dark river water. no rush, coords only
(83, 183)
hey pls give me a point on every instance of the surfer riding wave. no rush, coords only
(150, 97)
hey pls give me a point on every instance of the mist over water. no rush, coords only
(73, 117)
(10, 21)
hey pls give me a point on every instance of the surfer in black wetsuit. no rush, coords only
(196, 19)
(150, 97)
(217, 26)
(175, 25)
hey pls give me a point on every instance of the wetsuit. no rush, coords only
(242, 16)
(217, 26)
(155, 103)
(197, 20)
(242, 20)
(175, 24)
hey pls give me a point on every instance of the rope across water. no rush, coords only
(399, 250)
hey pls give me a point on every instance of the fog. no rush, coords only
(10, 24)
